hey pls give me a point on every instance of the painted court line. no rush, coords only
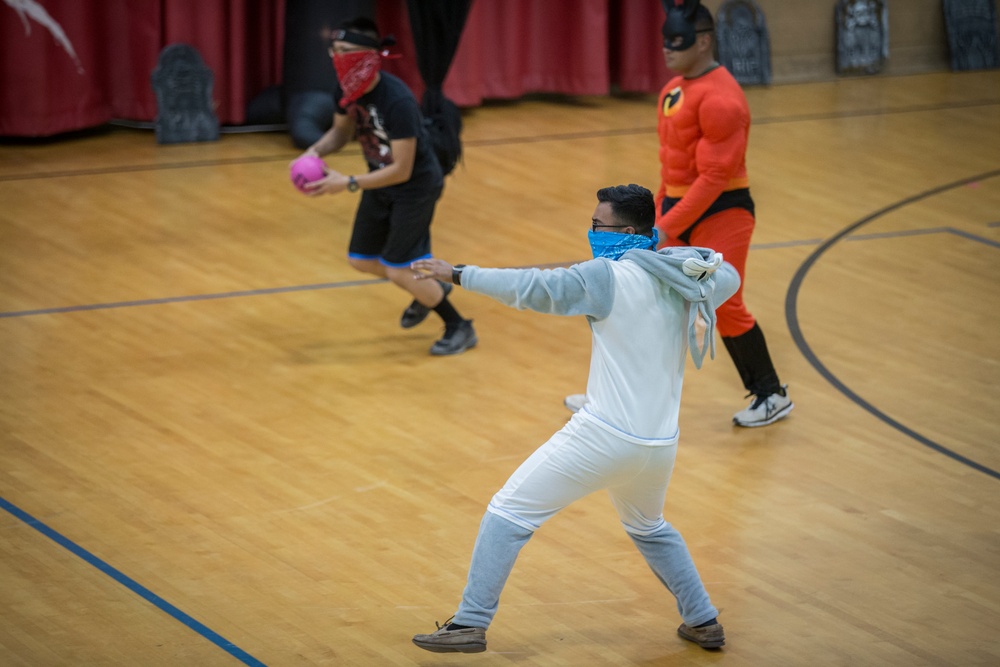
(181, 299)
(248, 659)
(847, 234)
(356, 283)
(132, 585)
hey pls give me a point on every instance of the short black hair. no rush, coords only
(703, 21)
(632, 204)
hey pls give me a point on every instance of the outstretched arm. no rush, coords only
(582, 289)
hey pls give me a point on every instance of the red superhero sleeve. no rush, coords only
(719, 157)
(661, 131)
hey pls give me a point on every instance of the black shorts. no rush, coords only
(392, 229)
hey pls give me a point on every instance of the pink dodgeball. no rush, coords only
(307, 169)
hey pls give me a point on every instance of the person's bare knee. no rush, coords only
(372, 266)
(427, 292)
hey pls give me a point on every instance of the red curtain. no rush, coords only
(44, 91)
(636, 51)
(513, 47)
(509, 48)
(522, 46)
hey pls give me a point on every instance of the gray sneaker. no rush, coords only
(417, 312)
(457, 339)
(764, 410)
(443, 640)
(710, 636)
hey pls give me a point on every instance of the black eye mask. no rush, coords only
(678, 25)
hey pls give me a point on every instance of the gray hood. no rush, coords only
(699, 275)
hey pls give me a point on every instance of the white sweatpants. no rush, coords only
(579, 459)
(582, 458)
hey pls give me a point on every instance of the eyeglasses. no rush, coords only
(594, 226)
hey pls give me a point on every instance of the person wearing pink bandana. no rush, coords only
(403, 182)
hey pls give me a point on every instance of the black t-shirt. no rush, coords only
(390, 111)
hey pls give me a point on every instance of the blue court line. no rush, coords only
(793, 326)
(791, 313)
(133, 586)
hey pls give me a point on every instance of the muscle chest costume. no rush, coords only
(703, 126)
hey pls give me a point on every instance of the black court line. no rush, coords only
(208, 297)
(790, 302)
(137, 588)
(882, 235)
(355, 283)
(508, 141)
(791, 314)
(125, 169)
(195, 297)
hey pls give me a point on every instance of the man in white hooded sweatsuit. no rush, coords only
(641, 306)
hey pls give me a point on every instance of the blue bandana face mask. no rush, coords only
(613, 245)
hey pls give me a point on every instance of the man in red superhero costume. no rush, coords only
(704, 195)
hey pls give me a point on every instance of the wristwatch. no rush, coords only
(456, 274)
(352, 184)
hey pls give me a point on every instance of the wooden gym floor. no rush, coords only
(218, 446)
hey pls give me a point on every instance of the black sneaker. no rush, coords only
(417, 312)
(457, 339)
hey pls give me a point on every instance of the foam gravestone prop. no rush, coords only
(972, 34)
(862, 36)
(183, 86)
(744, 44)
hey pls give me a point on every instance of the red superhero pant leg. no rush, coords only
(727, 232)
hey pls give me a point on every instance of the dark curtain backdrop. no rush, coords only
(509, 48)
(436, 26)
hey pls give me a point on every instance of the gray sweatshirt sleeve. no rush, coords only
(727, 281)
(582, 289)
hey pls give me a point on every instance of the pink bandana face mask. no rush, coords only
(356, 71)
